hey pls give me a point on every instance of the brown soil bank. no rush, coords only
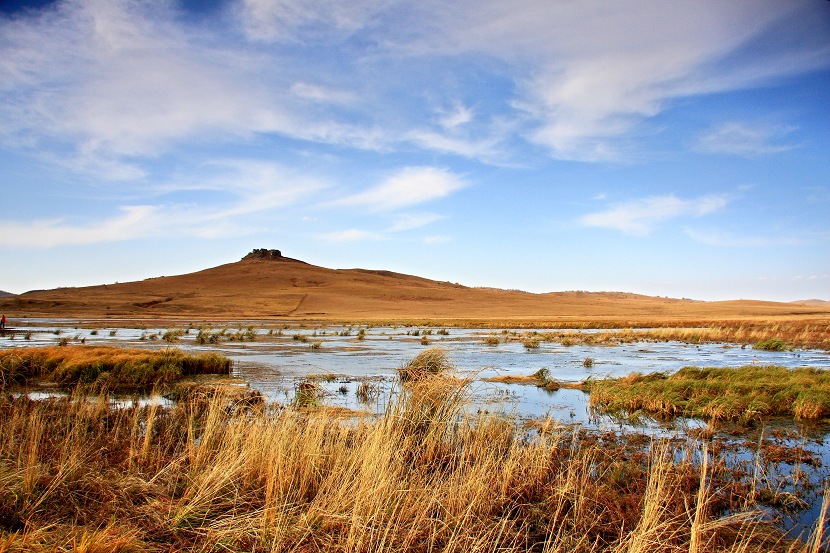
(267, 286)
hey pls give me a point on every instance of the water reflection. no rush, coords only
(347, 361)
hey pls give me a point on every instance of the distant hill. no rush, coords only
(815, 303)
(265, 284)
(5, 294)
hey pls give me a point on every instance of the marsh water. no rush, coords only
(341, 359)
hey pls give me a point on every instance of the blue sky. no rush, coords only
(666, 148)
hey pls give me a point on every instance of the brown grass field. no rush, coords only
(289, 289)
(80, 475)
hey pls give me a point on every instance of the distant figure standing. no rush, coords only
(3, 323)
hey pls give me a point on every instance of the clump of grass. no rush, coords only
(745, 394)
(531, 341)
(298, 337)
(106, 368)
(173, 335)
(588, 362)
(492, 340)
(308, 393)
(315, 345)
(773, 344)
(367, 391)
(425, 340)
(541, 378)
(430, 362)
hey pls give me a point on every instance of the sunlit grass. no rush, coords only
(200, 476)
(107, 368)
(744, 394)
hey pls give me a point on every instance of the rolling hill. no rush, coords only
(264, 284)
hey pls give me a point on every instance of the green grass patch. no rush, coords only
(773, 344)
(742, 394)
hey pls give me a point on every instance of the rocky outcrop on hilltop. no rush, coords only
(264, 253)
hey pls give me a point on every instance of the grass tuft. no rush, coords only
(430, 362)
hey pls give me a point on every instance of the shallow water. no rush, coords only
(275, 364)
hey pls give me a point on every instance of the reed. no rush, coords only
(779, 334)
(423, 477)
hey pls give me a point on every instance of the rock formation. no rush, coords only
(263, 253)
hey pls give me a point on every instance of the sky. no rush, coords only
(659, 147)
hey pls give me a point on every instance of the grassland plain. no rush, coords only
(80, 475)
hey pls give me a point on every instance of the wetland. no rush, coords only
(530, 387)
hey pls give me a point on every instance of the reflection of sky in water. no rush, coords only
(274, 365)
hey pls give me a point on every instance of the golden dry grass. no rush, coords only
(788, 332)
(104, 367)
(77, 475)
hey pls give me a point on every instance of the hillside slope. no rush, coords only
(280, 287)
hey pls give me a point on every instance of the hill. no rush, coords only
(813, 302)
(264, 284)
(4, 294)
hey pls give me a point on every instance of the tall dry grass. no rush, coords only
(423, 477)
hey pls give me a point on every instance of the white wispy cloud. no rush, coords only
(747, 140)
(295, 20)
(133, 221)
(409, 186)
(318, 93)
(248, 188)
(594, 71)
(456, 117)
(640, 217)
(106, 84)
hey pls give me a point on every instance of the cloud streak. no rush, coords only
(745, 140)
(641, 217)
(408, 187)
